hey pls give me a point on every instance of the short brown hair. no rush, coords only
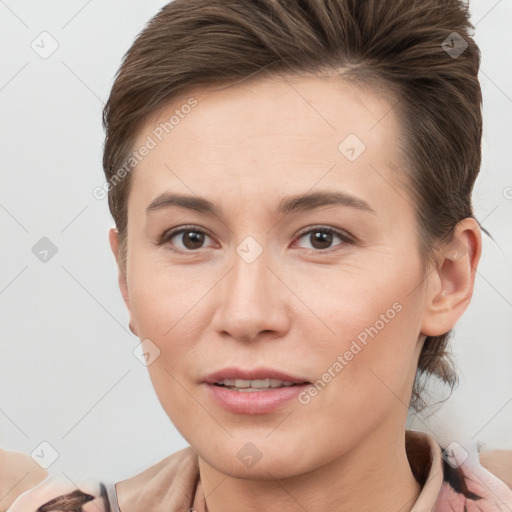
(403, 44)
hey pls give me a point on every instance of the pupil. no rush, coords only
(321, 238)
(197, 240)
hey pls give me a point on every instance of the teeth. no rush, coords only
(254, 385)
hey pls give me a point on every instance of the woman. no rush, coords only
(291, 186)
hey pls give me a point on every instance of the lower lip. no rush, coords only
(254, 402)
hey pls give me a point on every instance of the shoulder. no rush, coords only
(499, 463)
(54, 494)
(163, 486)
(18, 474)
(26, 487)
(481, 481)
(455, 479)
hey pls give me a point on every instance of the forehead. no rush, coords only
(319, 108)
(262, 135)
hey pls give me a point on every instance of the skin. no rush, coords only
(298, 305)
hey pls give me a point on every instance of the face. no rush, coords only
(269, 286)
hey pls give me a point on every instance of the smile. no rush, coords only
(254, 385)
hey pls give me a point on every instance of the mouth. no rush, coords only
(245, 386)
(254, 391)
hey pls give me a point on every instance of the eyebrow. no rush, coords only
(287, 205)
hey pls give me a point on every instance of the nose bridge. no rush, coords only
(248, 279)
(249, 295)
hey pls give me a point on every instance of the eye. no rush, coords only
(321, 238)
(190, 237)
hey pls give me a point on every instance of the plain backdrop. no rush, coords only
(68, 374)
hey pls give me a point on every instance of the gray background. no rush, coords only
(68, 375)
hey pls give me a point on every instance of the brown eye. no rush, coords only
(192, 239)
(185, 239)
(321, 239)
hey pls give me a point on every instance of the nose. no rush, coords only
(252, 302)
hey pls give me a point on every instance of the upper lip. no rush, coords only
(251, 374)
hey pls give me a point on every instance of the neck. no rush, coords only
(374, 475)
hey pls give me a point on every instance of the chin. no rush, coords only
(263, 459)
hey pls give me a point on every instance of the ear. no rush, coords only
(450, 285)
(113, 236)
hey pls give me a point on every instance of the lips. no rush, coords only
(254, 385)
(253, 375)
(255, 391)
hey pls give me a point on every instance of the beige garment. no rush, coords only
(450, 481)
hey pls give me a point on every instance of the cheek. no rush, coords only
(364, 377)
(365, 301)
(166, 305)
(372, 357)
(163, 298)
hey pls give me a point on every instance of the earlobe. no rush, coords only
(450, 286)
(113, 236)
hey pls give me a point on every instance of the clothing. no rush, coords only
(451, 482)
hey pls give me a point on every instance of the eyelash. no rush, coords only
(346, 239)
